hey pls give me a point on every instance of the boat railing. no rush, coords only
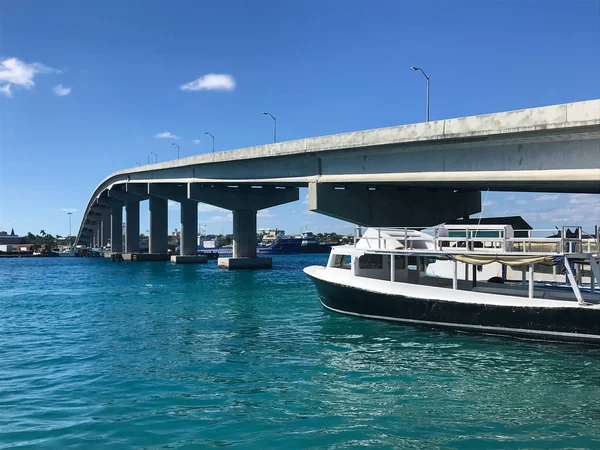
(486, 238)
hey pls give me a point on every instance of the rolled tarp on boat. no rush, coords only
(504, 259)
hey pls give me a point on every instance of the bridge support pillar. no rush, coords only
(188, 244)
(132, 226)
(106, 221)
(244, 244)
(244, 234)
(96, 236)
(158, 242)
(116, 229)
(244, 201)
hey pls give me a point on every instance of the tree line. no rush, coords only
(46, 240)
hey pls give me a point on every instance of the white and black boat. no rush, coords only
(384, 276)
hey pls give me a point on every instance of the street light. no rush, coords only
(427, 111)
(210, 134)
(274, 125)
(138, 163)
(70, 214)
(173, 143)
(155, 157)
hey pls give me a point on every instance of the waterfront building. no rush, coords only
(9, 239)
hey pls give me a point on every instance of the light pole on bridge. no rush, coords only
(427, 77)
(173, 143)
(274, 125)
(155, 157)
(70, 214)
(213, 138)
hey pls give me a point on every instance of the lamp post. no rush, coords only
(70, 214)
(155, 157)
(173, 143)
(213, 138)
(427, 111)
(137, 163)
(274, 125)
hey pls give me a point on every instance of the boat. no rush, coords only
(67, 252)
(383, 275)
(286, 245)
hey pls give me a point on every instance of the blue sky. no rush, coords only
(85, 87)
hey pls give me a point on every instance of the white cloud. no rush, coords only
(510, 198)
(203, 207)
(264, 214)
(61, 90)
(6, 90)
(166, 135)
(173, 205)
(578, 199)
(69, 210)
(488, 203)
(14, 72)
(568, 215)
(224, 218)
(545, 197)
(521, 202)
(209, 82)
(196, 141)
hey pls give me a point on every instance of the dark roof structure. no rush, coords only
(516, 222)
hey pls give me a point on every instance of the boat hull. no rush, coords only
(574, 324)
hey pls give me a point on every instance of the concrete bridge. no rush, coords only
(411, 175)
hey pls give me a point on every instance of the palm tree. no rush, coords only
(42, 233)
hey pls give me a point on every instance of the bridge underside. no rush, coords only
(391, 206)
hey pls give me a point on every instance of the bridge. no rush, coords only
(411, 175)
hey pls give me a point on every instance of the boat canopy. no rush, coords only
(507, 260)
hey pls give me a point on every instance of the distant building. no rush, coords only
(268, 235)
(10, 239)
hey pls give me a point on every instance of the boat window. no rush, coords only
(370, 262)
(341, 261)
(400, 262)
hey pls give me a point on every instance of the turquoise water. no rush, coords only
(95, 354)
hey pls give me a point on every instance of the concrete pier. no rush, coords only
(244, 244)
(189, 228)
(142, 257)
(244, 234)
(97, 237)
(116, 229)
(244, 202)
(189, 259)
(158, 240)
(244, 263)
(132, 226)
(106, 221)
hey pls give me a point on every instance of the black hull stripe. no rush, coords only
(477, 328)
(566, 324)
